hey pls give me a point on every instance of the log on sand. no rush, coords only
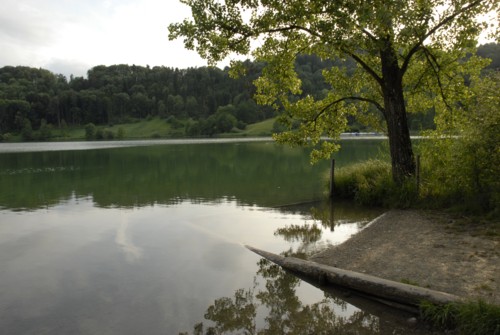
(378, 288)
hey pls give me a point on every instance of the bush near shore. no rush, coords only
(471, 318)
(370, 183)
(460, 162)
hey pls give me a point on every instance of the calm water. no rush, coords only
(147, 238)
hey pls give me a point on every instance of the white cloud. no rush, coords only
(69, 36)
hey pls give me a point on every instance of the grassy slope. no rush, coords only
(154, 128)
(145, 129)
(159, 128)
(263, 128)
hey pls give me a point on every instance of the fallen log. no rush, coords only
(366, 284)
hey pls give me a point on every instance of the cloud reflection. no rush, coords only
(124, 241)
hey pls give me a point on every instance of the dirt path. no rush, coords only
(423, 248)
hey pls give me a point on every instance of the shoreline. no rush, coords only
(422, 248)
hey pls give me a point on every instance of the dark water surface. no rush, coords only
(148, 238)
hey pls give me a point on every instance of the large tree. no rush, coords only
(405, 50)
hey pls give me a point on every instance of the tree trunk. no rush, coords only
(402, 159)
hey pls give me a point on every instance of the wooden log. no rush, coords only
(373, 305)
(369, 285)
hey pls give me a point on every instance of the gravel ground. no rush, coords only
(424, 248)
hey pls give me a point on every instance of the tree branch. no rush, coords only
(293, 27)
(333, 103)
(445, 21)
(315, 34)
(365, 66)
(431, 59)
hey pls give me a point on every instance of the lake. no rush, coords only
(148, 237)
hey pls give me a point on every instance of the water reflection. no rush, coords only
(124, 240)
(254, 173)
(330, 223)
(273, 305)
(135, 240)
(261, 174)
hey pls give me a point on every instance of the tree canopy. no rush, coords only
(409, 55)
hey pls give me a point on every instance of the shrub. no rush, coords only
(440, 316)
(90, 131)
(6, 137)
(174, 122)
(45, 131)
(371, 183)
(99, 134)
(27, 133)
(64, 129)
(461, 159)
(241, 125)
(121, 133)
(473, 318)
(109, 134)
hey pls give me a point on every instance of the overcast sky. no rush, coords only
(71, 36)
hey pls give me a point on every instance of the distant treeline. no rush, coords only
(34, 99)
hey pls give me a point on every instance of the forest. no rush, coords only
(200, 101)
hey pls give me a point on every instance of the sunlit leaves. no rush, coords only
(426, 38)
(463, 157)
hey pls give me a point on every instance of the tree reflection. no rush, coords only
(232, 314)
(277, 307)
(307, 234)
(326, 215)
(295, 233)
(272, 305)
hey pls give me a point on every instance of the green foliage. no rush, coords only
(395, 73)
(45, 131)
(121, 133)
(114, 94)
(27, 133)
(64, 129)
(461, 159)
(90, 131)
(221, 122)
(490, 51)
(370, 183)
(122, 93)
(12, 111)
(440, 316)
(260, 128)
(109, 134)
(479, 318)
(471, 318)
(99, 134)
(175, 123)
